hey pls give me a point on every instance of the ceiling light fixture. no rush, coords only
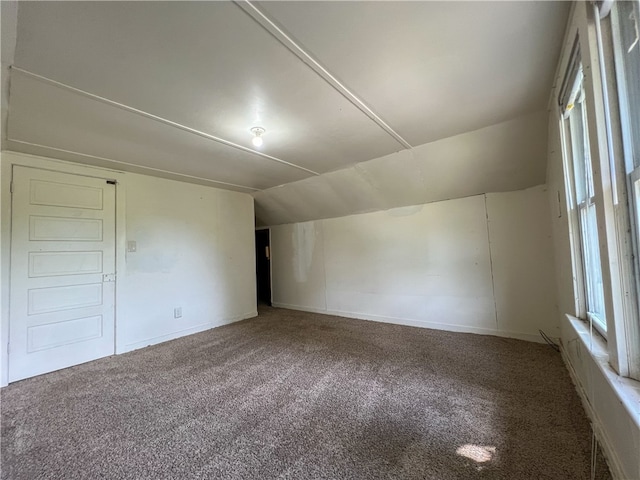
(257, 139)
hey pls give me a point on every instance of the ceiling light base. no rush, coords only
(257, 139)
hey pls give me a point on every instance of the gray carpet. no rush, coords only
(304, 396)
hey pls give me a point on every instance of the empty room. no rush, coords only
(320, 240)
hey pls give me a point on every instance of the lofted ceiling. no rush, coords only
(366, 105)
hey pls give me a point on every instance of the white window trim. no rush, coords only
(578, 211)
(620, 304)
(614, 288)
(628, 212)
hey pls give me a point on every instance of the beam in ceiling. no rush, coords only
(270, 26)
(181, 176)
(157, 118)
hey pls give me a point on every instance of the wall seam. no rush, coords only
(493, 283)
(324, 264)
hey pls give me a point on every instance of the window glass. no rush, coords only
(626, 24)
(576, 117)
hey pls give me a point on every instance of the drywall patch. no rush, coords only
(303, 239)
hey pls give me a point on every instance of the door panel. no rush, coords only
(54, 299)
(46, 264)
(64, 195)
(41, 337)
(62, 271)
(62, 229)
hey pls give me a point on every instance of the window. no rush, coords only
(626, 41)
(579, 159)
(626, 32)
(599, 120)
(625, 36)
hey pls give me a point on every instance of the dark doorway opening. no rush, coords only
(263, 267)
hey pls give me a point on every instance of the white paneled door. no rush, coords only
(62, 271)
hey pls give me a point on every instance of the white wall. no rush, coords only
(479, 264)
(195, 250)
(9, 29)
(522, 261)
(298, 266)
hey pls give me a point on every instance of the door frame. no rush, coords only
(270, 267)
(7, 162)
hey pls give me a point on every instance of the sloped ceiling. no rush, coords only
(366, 105)
(503, 157)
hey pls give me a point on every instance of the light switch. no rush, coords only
(132, 246)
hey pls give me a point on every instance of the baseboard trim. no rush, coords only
(614, 463)
(414, 323)
(302, 308)
(182, 333)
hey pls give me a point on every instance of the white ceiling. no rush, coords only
(172, 89)
(503, 157)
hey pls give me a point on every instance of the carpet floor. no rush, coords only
(304, 396)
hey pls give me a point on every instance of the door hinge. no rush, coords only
(8, 348)
(112, 182)
(11, 187)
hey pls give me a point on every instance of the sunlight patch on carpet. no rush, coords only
(477, 453)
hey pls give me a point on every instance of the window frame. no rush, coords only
(614, 240)
(581, 208)
(629, 156)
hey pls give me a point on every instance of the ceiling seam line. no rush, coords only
(262, 19)
(159, 119)
(121, 162)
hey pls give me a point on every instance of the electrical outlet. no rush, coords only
(177, 312)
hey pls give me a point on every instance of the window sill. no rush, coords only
(626, 389)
